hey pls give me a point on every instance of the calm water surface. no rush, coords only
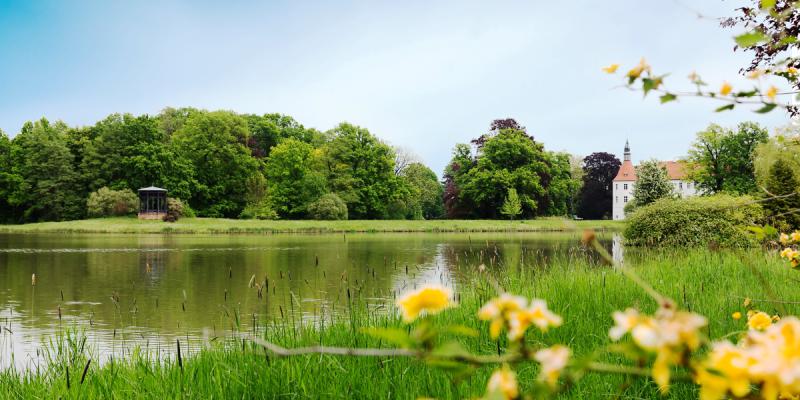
(148, 290)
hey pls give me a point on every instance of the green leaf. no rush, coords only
(749, 93)
(750, 39)
(725, 108)
(767, 108)
(392, 335)
(787, 40)
(767, 4)
(667, 97)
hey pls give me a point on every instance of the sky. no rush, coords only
(420, 75)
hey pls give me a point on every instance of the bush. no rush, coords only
(106, 202)
(720, 220)
(261, 210)
(176, 210)
(328, 207)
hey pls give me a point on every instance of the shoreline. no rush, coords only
(220, 226)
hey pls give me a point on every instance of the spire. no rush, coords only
(627, 156)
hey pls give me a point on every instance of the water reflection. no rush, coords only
(146, 290)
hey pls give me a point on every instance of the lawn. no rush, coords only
(713, 283)
(224, 226)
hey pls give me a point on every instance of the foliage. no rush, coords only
(512, 206)
(293, 177)
(105, 202)
(652, 183)
(599, 171)
(176, 210)
(45, 180)
(425, 192)
(261, 210)
(328, 207)
(213, 142)
(269, 130)
(456, 205)
(782, 202)
(360, 170)
(698, 221)
(723, 158)
(784, 145)
(8, 180)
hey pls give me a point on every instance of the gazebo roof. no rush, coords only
(152, 189)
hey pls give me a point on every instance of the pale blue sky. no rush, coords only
(419, 74)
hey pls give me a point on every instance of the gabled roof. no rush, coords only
(152, 189)
(626, 172)
(676, 171)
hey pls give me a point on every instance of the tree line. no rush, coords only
(224, 164)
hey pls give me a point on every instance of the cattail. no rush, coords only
(33, 280)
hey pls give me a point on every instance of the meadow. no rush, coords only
(710, 282)
(223, 226)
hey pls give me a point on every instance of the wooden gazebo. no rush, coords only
(152, 203)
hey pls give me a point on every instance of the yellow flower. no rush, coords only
(726, 369)
(623, 323)
(795, 236)
(725, 89)
(772, 92)
(430, 299)
(759, 321)
(784, 238)
(787, 253)
(497, 311)
(737, 315)
(746, 303)
(611, 68)
(639, 69)
(503, 382)
(755, 74)
(537, 314)
(553, 360)
(791, 71)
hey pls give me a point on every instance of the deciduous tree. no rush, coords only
(599, 170)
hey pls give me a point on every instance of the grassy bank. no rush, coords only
(226, 226)
(707, 282)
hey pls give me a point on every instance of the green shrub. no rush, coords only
(261, 210)
(328, 207)
(175, 210)
(106, 202)
(720, 220)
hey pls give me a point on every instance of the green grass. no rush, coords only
(228, 226)
(709, 282)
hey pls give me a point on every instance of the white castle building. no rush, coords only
(625, 180)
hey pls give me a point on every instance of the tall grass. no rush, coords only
(712, 283)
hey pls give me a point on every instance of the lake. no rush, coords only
(146, 291)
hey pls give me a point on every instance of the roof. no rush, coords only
(676, 171)
(152, 189)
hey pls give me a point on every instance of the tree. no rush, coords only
(403, 158)
(360, 170)
(563, 186)
(129, 152)
(425, 192)
(512, 205)
(46, 186)
(105, 202)
(723, 158)
(214, 144)
(782, 210)
(652, 183)
(328, 207)
(599, 170)
(292, 179)
(9, 181)
(268, 130)
(455, 175)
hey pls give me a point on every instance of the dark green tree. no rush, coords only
(47, 186)
(214, 144)
(599, 170)
(360, 170)
(455, 175)
(783, 202)
(268, 130)
(9, 181)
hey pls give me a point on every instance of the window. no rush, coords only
(625, 199)
(625, 186)
(680, 185)
(616, 186)
(616, 199)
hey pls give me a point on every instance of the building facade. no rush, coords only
(625, 181)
